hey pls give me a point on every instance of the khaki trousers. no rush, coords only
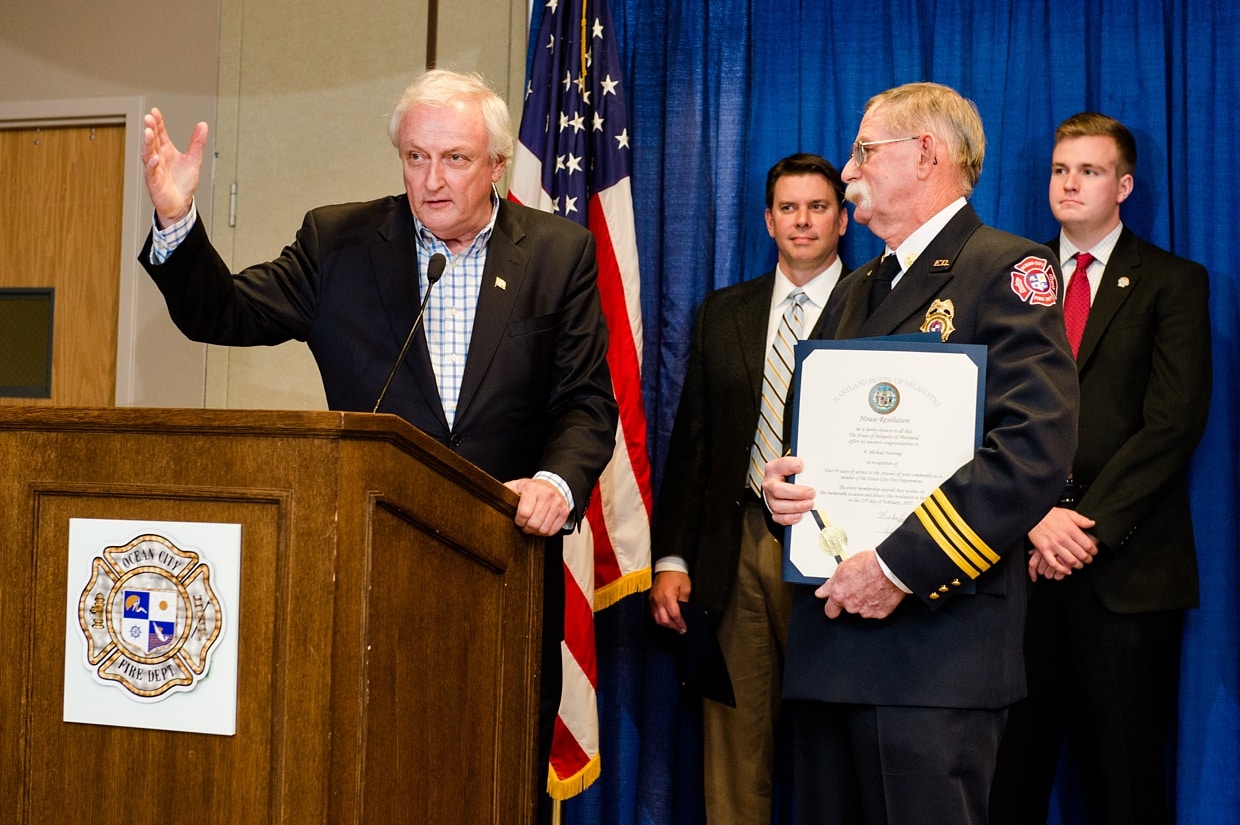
(739, 743)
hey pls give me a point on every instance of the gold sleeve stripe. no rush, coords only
(963, 526)
(954, 536)
(941, 540)
(949, 536)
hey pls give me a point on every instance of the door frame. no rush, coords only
(109, 111)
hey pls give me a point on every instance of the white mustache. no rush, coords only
(858, 194)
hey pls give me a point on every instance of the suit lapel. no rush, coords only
(749, 326)
(394, 262)
(853, 316)
(1119, 278)
(502, 277)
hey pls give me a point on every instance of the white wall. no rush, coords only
(66, 58)
(296, 95)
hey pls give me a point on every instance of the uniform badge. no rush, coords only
(150, 618)
(1033, 280)
(939, 319)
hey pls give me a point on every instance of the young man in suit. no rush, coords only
(901, 671)
(1114, 562)
(711, 540)
(509, 367)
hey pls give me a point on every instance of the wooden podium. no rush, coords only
(388, 646)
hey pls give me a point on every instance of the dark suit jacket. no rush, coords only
(1144, 368)
(536, 392)
(700, 506)
(942, 647)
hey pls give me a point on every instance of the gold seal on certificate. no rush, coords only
(879, 423)
(831, 537)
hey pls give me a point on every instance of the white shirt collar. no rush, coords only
(916, 243)
(818, 289)
(1101, 250)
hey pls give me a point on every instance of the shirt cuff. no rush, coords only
(165, 241)
(559, 484)
(671, 563)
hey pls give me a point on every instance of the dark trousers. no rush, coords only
(866, 765)
(1108, 681)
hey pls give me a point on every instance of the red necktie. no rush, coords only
(1076, 302)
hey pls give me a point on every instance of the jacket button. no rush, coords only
(455, 441)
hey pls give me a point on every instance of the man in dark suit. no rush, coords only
(509, 368)
(1114, 563)
(711, 541)
(905, 660)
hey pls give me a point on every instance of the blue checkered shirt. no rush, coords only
(449, 321)
(164, 241)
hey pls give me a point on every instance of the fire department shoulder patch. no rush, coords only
(150, 618)
(1033, 280)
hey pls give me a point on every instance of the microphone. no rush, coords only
(434, 271)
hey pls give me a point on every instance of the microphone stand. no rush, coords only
(434, 271)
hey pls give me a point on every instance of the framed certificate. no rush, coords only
(880, 423)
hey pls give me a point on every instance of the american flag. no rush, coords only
(573, 159)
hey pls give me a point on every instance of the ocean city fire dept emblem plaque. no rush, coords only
(150, 618)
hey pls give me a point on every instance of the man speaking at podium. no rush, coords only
(506, 355)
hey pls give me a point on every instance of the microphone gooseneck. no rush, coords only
(434, 271)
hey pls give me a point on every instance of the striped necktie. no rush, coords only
(776, 381)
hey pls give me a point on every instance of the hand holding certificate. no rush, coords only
(878, 425)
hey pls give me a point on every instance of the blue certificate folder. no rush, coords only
(884, 398)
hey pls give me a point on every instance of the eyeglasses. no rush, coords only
(860, 151)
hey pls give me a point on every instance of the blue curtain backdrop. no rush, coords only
(721, 89)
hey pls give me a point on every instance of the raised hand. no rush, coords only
(171, 175)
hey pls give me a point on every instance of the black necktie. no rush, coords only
(880, 283)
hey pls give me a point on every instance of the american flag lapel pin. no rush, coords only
(501, 283)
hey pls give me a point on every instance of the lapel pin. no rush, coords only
(1123, 282)
(501, 283)
(942, 262)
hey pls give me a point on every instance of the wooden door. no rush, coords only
(61, 203)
